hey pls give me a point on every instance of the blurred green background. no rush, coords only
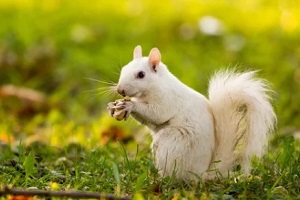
(51, 49)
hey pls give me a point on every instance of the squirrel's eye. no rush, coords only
(141, 74)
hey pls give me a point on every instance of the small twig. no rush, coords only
(70, 194)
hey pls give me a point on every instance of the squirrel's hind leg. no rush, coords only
(178, 154)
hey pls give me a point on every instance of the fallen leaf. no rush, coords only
(19, 197)
(22, 93)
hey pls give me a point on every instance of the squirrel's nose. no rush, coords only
(121, 91)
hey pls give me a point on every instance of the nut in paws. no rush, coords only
(119, 114)
(119, 109)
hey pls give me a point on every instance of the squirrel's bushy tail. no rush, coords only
(243, 117)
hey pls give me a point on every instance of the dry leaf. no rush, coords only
(22, 93)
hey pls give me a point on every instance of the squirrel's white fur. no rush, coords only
(191, 134)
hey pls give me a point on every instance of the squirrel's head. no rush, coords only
(138, 76)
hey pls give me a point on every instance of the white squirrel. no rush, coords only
(194, 136)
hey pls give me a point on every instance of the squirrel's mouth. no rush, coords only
(136, 94)
(127, 94)
(127, 90)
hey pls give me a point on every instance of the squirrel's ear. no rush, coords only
(137, 52)
(154, 58)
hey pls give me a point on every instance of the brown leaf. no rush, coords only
(19, 197)
(114, 133)
(22, 93)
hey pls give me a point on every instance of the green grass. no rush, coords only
(56, 47)
(113, 169)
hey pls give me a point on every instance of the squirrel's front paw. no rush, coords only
(124, 108)
(111, 108)
(120, 109)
